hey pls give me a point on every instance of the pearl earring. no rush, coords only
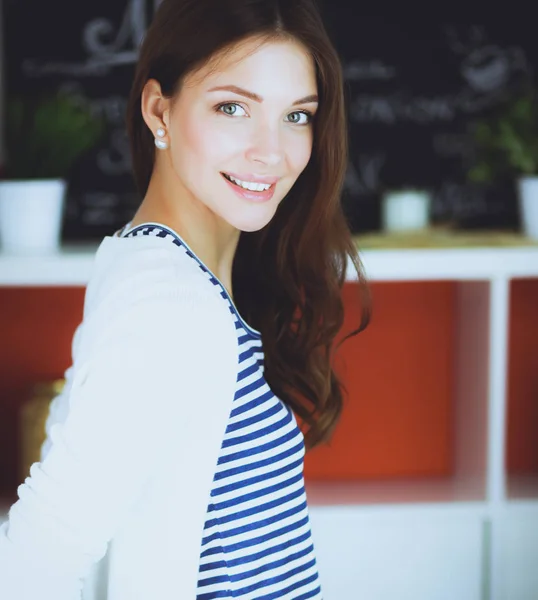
(161, 144)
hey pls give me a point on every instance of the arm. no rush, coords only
(60, 404)
(144, 382)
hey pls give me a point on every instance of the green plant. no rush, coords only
(506, 143)
(46, 136)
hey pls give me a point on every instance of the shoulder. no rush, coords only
(128, 270)
(144, 285)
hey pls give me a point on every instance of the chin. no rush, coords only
(253, 220)
(251, 227)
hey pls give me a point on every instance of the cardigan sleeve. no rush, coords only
(59, 404)
(154, 371)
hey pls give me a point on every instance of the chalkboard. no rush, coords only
(90, 49)
(412, 90)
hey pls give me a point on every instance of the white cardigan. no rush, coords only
(116, 508)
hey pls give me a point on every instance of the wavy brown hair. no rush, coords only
(288, 277)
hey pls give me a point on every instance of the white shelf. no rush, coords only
(450, 263)
(72, 265)
(404, 491)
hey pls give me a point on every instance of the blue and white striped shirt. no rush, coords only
(257, 541)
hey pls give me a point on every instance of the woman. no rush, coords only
(173, 466)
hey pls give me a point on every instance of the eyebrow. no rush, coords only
(242, 92)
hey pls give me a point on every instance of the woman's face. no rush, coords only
(246, 123)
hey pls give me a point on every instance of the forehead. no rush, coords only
(260, 66)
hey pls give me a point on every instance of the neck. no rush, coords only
(213, 240)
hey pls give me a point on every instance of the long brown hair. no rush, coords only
(288, 277)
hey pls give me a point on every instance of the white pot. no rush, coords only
(31, 215)
(405, 210)
(528, 205)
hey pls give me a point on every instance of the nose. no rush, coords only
(266, 146)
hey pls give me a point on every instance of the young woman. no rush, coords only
(173, 466)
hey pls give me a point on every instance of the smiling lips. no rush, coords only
(252, 187)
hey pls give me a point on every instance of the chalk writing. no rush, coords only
(101, 56)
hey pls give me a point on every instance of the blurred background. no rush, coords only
(429, 488)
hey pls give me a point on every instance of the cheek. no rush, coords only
(299, 152)
(206, 145)
(193, 144)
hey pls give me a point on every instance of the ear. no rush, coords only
(155, 107)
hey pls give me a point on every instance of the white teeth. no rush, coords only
(248, 185)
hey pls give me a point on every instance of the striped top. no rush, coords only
(257, 541)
